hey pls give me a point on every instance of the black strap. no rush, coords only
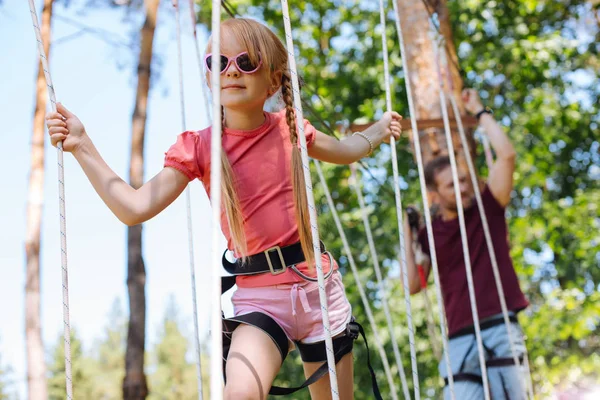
(470, 330)
(502, 362)
(269, 260)
(465, 376)
(258, 320)
(345, 346)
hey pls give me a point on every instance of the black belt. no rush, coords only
(275, 260)
(470, 330)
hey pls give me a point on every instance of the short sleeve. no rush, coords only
(491, 205)
(183, 155)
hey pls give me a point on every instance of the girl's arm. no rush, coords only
(353, 148)
(131, 206)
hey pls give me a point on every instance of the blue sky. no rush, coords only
(88, 80)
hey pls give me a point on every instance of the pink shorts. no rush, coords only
(296, 307)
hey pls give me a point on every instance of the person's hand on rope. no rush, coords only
(414, 218)
(64, 126)
(389, 125)
(471, 100)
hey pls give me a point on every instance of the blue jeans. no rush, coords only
(506, 382)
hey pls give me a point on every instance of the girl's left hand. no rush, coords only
(390, 125)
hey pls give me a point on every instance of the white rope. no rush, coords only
(430, 325)
(200, 62)
(61, 205)
(463, 229)
(311, 200)
(526, 362)
(216, 359)
(489, 158)
(426, 211)
(361, 291)
(188, 201)
(382, 289)
(399, 213)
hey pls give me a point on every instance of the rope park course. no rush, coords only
(444, 136)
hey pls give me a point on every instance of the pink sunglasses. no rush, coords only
(242, 61)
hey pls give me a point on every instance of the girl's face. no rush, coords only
(240, 90)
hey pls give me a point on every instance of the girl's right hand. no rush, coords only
(64, 126)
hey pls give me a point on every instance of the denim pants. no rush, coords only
(507, 382)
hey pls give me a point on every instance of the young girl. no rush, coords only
(264, 218)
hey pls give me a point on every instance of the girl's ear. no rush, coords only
(275, 82)
(208, 80)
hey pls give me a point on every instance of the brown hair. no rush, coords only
(432, 168)
(258, 39)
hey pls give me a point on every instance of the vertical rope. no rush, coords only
(216, 359)
(311, 200)
(361, 291)
(463, 229)
(188, 202)
(399, 213)
(430, 324)
(61, 205)
(200, 62)
(489, 158)
(426, 211)
(382, 289)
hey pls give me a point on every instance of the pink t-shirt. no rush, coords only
(261, 162)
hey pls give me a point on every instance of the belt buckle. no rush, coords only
(268, 255)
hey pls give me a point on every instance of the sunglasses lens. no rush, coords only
(224, 62)
(245, 64)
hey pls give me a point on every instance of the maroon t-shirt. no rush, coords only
(453, 275)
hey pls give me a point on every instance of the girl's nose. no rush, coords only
(232, 71)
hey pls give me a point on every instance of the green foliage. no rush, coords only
(4, 386)
(174, 377)
(84, 386)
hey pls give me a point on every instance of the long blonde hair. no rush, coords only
(258, 39)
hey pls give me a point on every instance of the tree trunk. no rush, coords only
(36, 365)
(423, 71)
(134, 384)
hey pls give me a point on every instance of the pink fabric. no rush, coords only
(261, 162)
(296, 307)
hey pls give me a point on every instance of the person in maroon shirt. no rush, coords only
(505, 379)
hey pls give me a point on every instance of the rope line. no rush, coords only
(216, 359)
(61, 205)
(463, 229)
(424, 198)
(374, 257)
(311, 200)
(399, 213)
(188, 201)
(361, 291)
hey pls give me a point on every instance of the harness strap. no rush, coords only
(503, 362)
(470, 330)
(274, 260)
(314, 352)
(465, 376)
(495, 362)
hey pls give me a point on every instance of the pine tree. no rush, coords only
(4, 371)
(109, 356)
(82, 371)
(174, 377)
